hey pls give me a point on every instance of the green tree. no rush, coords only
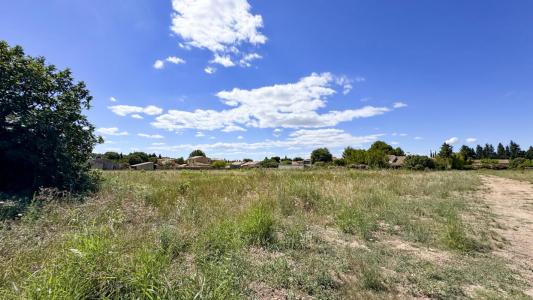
(488, 151)
(467, 153)
(179, 161)
(321, 155)
(219, 164)
(514, 150)
(398, 152)
(197, 152)
(377, 159)
(418, 162)
(355, 156)
(529, 153)
(500, 151)
(382, 146)
(134, 159)
(479, 152)
(112, 155)
(45, 140)
(446, 151)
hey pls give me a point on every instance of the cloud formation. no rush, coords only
(297, 140)
(111, 131)
(292, 105)
(151, 136)
(452, 141)
(220, 26)
(124, 110)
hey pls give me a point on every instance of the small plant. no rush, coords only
(257, 226)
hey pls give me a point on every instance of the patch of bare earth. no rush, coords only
(436, 256)
(511, 200)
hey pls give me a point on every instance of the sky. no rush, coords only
(249, 78)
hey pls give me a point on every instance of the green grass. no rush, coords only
(328, 234)
(522, 175)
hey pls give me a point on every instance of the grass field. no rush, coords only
(326, 234)
(524, 175)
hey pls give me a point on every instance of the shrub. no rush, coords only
(269, 163)
(520, 163)
(219, 164)
(419, 162)
(341, 162)
(355, 156)
(197, 152)
(377, 159)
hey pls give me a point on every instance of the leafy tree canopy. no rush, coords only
(197, 152)
(321, 155)
(45, 140)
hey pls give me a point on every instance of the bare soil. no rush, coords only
(512, 203)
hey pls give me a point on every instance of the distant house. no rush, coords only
(236, 165)
(251, 164)
(103, 164)
(396, 161)
(144, 166)
(198, 162)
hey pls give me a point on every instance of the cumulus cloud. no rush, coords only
(300, 139)
(124, 110)
(240, 137)
(111, 131)
(210, 70)
(452, 141)
(112, 99)
(248, 58)
(471, 140)
(293, 105)
(159, 64)
(199, 134)
(399, 105)
(137, 116)
(151, 136)
(220, 26)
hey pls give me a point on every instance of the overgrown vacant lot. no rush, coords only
(261, 234)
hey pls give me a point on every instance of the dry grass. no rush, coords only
(328, 234)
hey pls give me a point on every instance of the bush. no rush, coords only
(257, 227)
(341, 162)
(377, 159)
(419, 162)
(355, 156)
(520, 163)
(219, 164)
(269, 163)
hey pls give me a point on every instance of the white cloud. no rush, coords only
(399, 105)
(224, 60)
(199, 134)
(137, 116)
(159, 64)
(175, 60)
(111, 131)
(151, 136)
(124, 110)
(248, 58)
(471, 140)
(158, 144)
(403, 134)
(221, 26)
(302, 139)
(233, 128)
(452, 141)
(112, 99)
(210, 70)
(240, 137)
(418, 138)
(293, 105)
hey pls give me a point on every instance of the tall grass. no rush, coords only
(221, 234)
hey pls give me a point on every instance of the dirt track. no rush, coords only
(512, 202)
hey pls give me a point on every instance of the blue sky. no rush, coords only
(250, 78)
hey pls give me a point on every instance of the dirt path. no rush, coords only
(512, 201)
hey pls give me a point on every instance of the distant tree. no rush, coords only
(297, 159)
(489, 151)
(500, 151)
(45, 140)
(382, 146)
(197, 152)
(398, 152)
(467, 153)
(446, 151)
(159, 156)
(340, 162)
(355, 156)
(112, 155)
(514, 150)
(529, 153)
(321, 155)
(219, 164)
(142, 155)
(479, 152)
(247, 160)
(418, 162)
(377, 159)
(134, 159)
(276, 158)
(269, 163)
(179, 161)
